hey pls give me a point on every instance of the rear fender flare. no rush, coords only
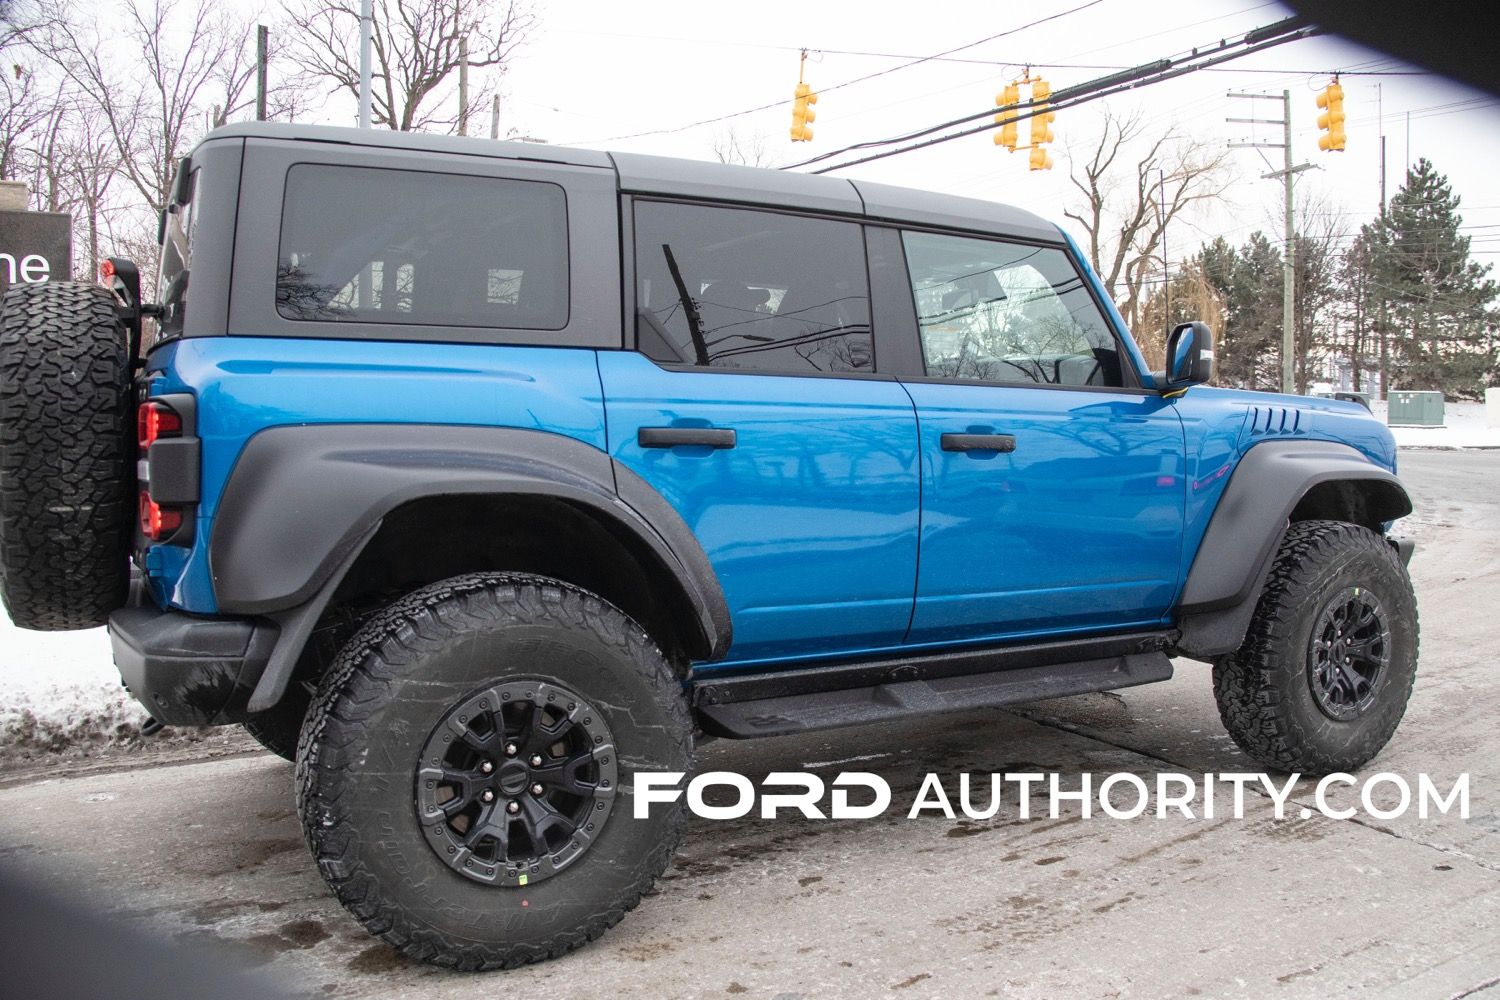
(302, 502)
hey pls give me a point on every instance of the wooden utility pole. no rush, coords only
(495, 118)
(1289, 256)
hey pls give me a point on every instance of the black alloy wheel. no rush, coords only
(1349, 653)
(516, 781)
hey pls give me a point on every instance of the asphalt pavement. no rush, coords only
(209, 853)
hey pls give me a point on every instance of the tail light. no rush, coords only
(156, 421)
(158, 523)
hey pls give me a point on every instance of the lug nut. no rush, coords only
(485, 767)
(487, 795)
(512, 807)
(536, 760)
(537, 789)
(511, 749)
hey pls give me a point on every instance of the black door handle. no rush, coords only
(676, 437)
(979, 442)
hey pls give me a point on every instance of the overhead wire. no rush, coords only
(859, 79)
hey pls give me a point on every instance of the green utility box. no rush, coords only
(1415, 409)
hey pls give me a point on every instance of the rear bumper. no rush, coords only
(190, 671)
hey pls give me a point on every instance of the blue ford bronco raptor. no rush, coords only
(480, 477)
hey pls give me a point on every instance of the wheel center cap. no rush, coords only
(513, 777)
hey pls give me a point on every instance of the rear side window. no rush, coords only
(1005, 312)
(750, 290)
(412, 247)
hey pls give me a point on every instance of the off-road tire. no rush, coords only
(279, 727)
(1264, 692)
(66, 496)
(379, 705)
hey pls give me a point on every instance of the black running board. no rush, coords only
(723, 712)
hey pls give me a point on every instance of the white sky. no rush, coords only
(599, 69)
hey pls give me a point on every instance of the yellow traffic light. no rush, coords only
(1041, 124)
(802, 113)
(803, 99)
(1008, 135)
(1331, 121)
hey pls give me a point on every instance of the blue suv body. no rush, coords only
(843, 452)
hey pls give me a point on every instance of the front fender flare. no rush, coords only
(1247, 526)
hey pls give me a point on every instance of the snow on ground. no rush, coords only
(1465, 425)
(59, 691)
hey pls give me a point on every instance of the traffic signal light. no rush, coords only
(803, 99)
(1009, 133)
(1041, 124)
(802, 113)
(1331, 121)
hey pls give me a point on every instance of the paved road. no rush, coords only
(211, 852)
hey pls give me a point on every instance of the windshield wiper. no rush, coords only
(689, 308)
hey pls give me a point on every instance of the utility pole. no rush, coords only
(366, 32)
(1289, 258)
(495, 118)
(1166, 268)
(262, 45)
(1384, 344)
(463, 85)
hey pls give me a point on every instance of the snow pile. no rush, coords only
(60, 693)
(1465, 425)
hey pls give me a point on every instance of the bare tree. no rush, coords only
(415, 51)
(23, 108)
(1133, 188)
(731, 147)
(191, 66)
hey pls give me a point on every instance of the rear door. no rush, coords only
(1052, 483)
(753, 407)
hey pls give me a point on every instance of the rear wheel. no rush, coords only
(465, 776)
(66, 496)
(1325, 671)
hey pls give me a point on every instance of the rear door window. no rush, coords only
(751, 290)
(365, 245)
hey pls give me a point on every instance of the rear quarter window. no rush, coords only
(408, 247)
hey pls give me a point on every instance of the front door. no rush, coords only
(752, 408)
(1052, 484)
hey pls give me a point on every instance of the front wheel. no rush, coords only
(466, 774)
(1326, 668)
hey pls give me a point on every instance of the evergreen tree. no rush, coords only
(1248, 281)
(1439, 302)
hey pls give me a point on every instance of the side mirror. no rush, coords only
(1190, 356)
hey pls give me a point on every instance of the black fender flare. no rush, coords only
(302, 502)
(1248, 523)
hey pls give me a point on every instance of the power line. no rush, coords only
(859, 79)
(1290, 29)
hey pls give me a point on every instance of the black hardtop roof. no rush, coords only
(663, 175)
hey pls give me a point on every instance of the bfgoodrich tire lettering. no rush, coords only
(377, 709)
(66, 497)
(1268, 691)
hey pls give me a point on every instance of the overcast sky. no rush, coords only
(599, 71)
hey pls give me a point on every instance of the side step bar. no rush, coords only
(803, 700)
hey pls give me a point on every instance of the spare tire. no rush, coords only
(66, 447)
